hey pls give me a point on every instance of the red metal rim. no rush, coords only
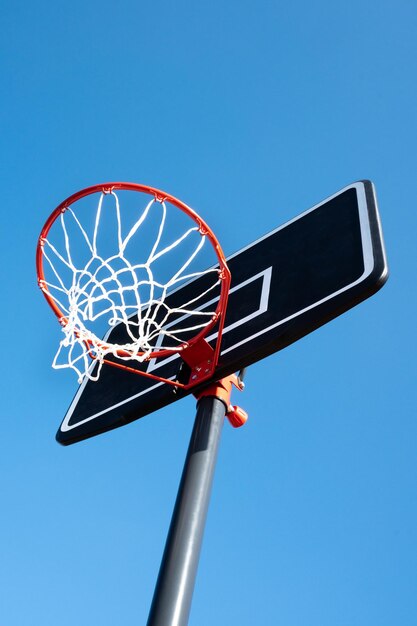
(159, 195)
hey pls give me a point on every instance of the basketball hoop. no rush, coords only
(114, 255)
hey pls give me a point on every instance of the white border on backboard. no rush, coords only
(368, 258)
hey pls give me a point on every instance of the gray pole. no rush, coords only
(174, 588)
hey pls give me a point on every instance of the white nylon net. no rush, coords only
(102, 289)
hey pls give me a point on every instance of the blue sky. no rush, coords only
(266, 109)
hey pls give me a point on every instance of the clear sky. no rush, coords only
(251, 112)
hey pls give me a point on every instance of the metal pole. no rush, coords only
(174, 588)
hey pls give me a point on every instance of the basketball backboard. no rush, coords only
(284, 285)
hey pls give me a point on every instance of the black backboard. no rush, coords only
(285, 285)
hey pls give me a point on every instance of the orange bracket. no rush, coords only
(202, 360)
(222, 389)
